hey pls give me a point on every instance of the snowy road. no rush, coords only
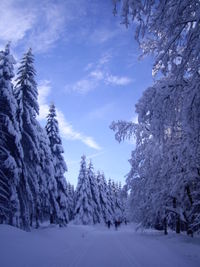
(84, 246)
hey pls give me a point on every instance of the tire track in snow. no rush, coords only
(105, 250)
(132, 262)
(82, 251)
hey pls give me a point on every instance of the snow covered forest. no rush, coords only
(32, 182)
(33, 188)
(162, 188)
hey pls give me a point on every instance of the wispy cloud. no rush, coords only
(102, 35)
(15, 21)
(117, 80)
(66, 129)
(69, 133)
(104, 59)
(50, 26)
(38, 24)
(101, 112)
(82, 86)
(44, 90)
(97, 74)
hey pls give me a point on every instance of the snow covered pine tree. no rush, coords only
(10, 148)
(60, 166)
(84, 202)
(26, 94)
(97, 216)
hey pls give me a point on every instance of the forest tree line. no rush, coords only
(33, 186)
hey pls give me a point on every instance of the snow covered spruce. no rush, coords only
(11, 153)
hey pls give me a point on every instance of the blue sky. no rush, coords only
(87, 64)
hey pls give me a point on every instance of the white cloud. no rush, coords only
(103, 35)
(117, 80)
(38, 24)
(82, 86)
(97, 73)
(90, 142)
(69, 133)
(66, 128)
(51, 21)
(14, 21)
(94, 79)
(106, 57)
(89, 66)
(44, 90)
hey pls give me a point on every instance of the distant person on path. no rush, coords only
(119, 223)
(108, 224)
(116, 225)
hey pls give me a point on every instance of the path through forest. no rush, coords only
(88, 246)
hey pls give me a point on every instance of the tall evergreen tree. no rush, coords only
(60, 166)
(10, 149)
(97, 216)
(84, 208)
(118, 203)
(111, 202)
(26, 94)
(50, 209)
(71, 201)
(103, 197)
(124, 200)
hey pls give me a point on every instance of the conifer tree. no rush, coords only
(10, 148)
(50, 206)
(103, 196)
(83, 209)
(26, 94)
(97, 217)
(118, 203)
(71, 201)
(60, 166)
(123, 195)
(111, 203)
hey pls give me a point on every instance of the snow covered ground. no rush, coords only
(96, 246)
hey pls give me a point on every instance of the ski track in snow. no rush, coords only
(96, 246)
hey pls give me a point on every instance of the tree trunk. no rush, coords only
(165, 226)
(178, 225)
(51, 219)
